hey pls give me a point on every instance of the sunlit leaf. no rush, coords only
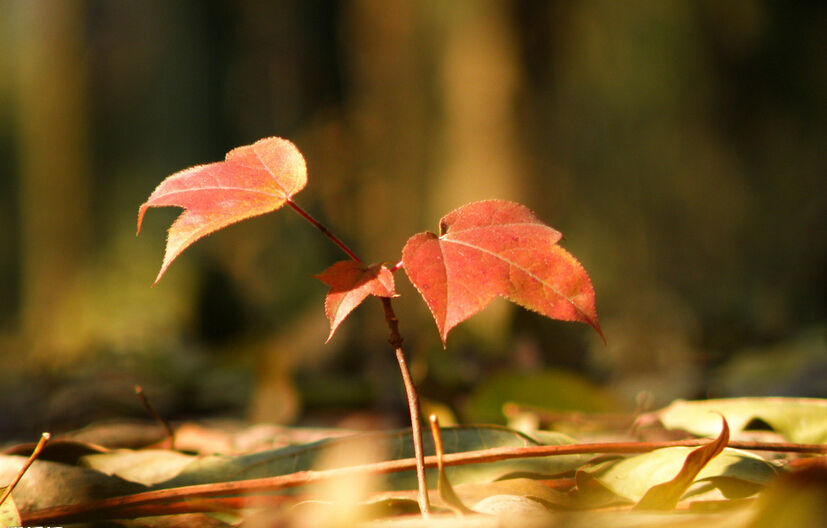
(9, 516)
(350, 283)
(665, 496)
(627, 480)
(252, 180)
(497, 248)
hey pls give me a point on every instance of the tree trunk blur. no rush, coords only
(389, 107)
(50, 78)
(479, 82)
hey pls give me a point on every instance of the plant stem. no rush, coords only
(325, 231)
(396, 342)
(170, 434)
(413, 405)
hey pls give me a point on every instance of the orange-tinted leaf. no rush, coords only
(350, 283)
(252, 180)
(492, 248)
(666, 496)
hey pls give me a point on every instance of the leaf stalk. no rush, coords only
(325, 231)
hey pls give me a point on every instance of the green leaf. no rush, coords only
(627, 480)
(395, 445)
(802, 420)
(665, 496)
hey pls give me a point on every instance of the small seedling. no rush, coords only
(483, 250)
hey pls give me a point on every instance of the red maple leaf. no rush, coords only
(252, 180)
(350, 283)
(492, 248)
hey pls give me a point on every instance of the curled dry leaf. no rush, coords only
(252, 180)
(350, 283)
(497, 248)
(665, 496)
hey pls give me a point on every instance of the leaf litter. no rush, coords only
(572, 489)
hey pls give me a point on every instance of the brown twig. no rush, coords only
(113, 507)
(158, 418)
(37, 449)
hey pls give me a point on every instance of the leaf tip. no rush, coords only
(596, 326)
(141, 210)
(158, 277)
(334, 324)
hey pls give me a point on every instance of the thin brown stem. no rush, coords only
(325, 231)
(37, 449)
(395, 340)
(139, 391)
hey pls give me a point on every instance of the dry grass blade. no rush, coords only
(170, 434)
(446, 491)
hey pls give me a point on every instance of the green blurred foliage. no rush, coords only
(679, 146)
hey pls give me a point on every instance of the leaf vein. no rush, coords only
(526, 271)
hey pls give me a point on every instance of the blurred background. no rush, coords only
(679, 147)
